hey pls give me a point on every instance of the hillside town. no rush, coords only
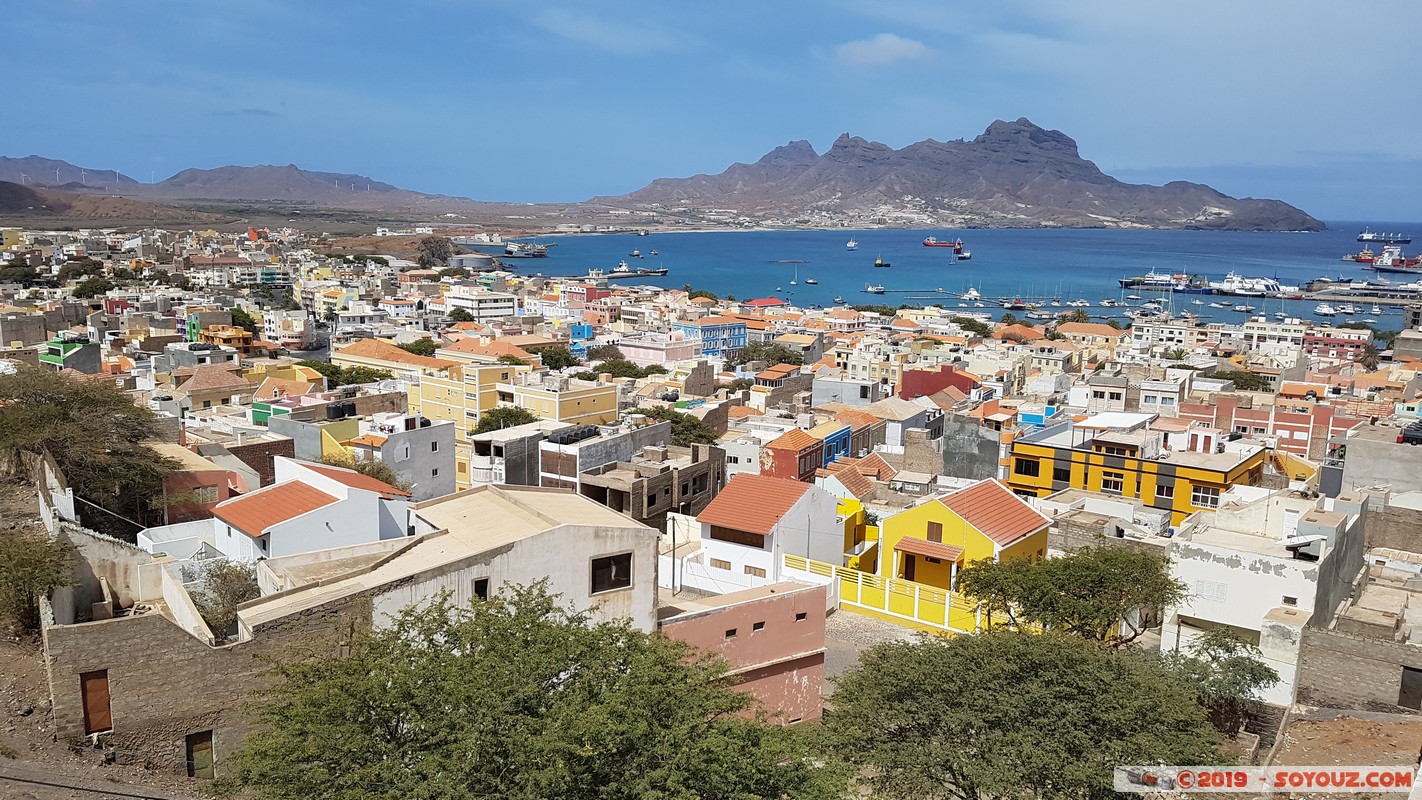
(777, 485)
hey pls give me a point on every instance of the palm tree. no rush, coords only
(1078, 315)
(1369, 357)
(1176, 355)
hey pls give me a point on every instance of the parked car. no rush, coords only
(1412, 434)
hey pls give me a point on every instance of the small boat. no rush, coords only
(839, 300)
(1347, 308)
(1370, 320)
(1055, 304)
(977, 305)
(1109, 303)
(851, 244)
(1197, 302)
(873, 288)
(962, 305)
(811, 281)
(1280, 315)
(1216, 305)
(1325, 310)
(965, 255)
(655, 253)
(1376, 309)
(1245, 309)
(780, 288)
(880, 262)
(635, 254)
(1226, 302)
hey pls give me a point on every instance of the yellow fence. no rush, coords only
(911, 603)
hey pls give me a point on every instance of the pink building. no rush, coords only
(772, 636)
(1302, 430)
(659, 348)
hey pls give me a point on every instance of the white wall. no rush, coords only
(353, 521)
(812, 528)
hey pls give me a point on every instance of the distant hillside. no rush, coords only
(1014, 174)
(19, 202)
(41, 172)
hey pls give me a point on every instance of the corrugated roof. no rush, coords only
(355, 480)
(254, 513)
(922, 547)
(753, 503)
(995, 511)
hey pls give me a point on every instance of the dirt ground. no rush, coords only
(32, 764)
(1384, 741)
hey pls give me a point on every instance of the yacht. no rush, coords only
(1347, 308)
(811, 281)
(1246, 309)
(1237, 284)
(1197, 302)
(1325, 310)
(839, 300)
(1377, 309)
(873, 288)
(851, 244)
(971, 294)
(1216, 305)
(1109, 303)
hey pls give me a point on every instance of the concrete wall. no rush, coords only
(305, 438)
(1342, 670)
(1373, 463)
(969, 449)
(781, 665)
(1395, 527)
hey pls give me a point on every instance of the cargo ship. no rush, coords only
(1384, 238)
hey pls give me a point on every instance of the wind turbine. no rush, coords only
(56, 176)
(23, 178)
(83, 177)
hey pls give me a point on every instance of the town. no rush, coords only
(238, 442)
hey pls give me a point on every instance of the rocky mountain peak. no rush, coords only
(796, 153)
(1023, 133)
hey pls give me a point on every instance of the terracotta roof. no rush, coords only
(206, 377)
(1092, 329)
(493, 349)
(254, 513)
(995, 511)
(355, 480)
(854, 481)
(1028, 333)
(793, 439)
(741, 412)
(922, 547)
(384, 351)
(367, 440)
(753, 503)
(272, 388)
(876, 467)
(857, 420)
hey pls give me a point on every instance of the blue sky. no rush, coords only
(1317, 103)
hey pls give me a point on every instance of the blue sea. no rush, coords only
(1006, 263)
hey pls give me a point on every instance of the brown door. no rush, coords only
(95, 688)
(1410, 693)
(200, 761)
(908, 567)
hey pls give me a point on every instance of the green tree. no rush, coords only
(686, 429)
(1009, 318)
(692, 294)
(454, 272)
(242, 319)
(80, 268)
(973, 326)
(1227, 672)
(502, 417)
(96, 436)
(1369, 357)
(1176, 354)
(1111, 323)
(768, 352)
(558, 357)
(517, 697)
(1244, 380)
(459, 315)
(1054, 336)
(1009, 715)
(511, 360)
(619, 368)
(369, 467)
(345, 376)
(435, 251)
(93, 287)
(1096, 593)
(420, 347)
(1077, 315)
(31, 565)
(605, 352)
(740, 385)
(223, 587)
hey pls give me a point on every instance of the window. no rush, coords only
(801, 616)
(1210, 590)
(611, 573)
(863, 392)
(1028, 467)
(434, 447)
(434, 473)
(1117, 395)
(94, 686)
(1290, 601)
(755, 571)
(1164, 491)
(717, 563)
(759, 626)
(1205, 497)
(481, 588)
(206, 494)
(935, 532)
(1061, 474)
(730, 633)
(1112, 482)
(1098, 395)
(1410, 693)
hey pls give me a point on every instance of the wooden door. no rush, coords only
(908, 567)
(94, 686)
(200, 760)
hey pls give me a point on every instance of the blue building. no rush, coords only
(720, 337)
(836, 437)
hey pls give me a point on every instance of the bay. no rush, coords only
(1066, 264)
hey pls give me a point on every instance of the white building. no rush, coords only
(290, 329)
(480, 303)
(1262, 565)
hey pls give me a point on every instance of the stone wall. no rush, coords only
(1395, 527)
(260, 456)
(969, 449)
(1343, 670)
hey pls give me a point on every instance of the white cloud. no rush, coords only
(614, 36)
(886, 48)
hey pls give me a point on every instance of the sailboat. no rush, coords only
(796, 280)
(851, 244)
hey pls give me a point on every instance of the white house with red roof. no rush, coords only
(309, 507)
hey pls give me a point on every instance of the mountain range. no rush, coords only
(1016, 174)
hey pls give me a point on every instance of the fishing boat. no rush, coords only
(851, 244)
(880, 262)
(1384, 238)
(873, 288)
(635, 254)
(1364, 256)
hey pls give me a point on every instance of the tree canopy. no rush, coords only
(686, 429)
(93, 287)
(371, 468)
(605, 352)
(31, 565)
(517, 697)
(973, 326)
(345, 376)
(96, 436)
(459, 315)
(1003, 714)
(1095, 593)
(768, 352)
(420, 347)
(1244, 380)
(558, 357)
(242, 319)
(501, 417)
(1227, 673)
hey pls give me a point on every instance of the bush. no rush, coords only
(31, 565)
(223, 588)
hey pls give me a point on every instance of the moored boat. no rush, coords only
(851, 244)
(873, 288)
(1384, 238)
(880, 262)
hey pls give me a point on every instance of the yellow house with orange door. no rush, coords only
(929, 543)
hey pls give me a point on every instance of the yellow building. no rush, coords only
(1168, 464)
(932, 541)
(228, 336)
(11, 237)
(459, 395)
(562, 399)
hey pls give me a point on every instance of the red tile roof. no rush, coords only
(995, 511)
(254, 513)
(922, 547)
(753, 503)
(793, 439)
(854, 481)
(355, 480)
